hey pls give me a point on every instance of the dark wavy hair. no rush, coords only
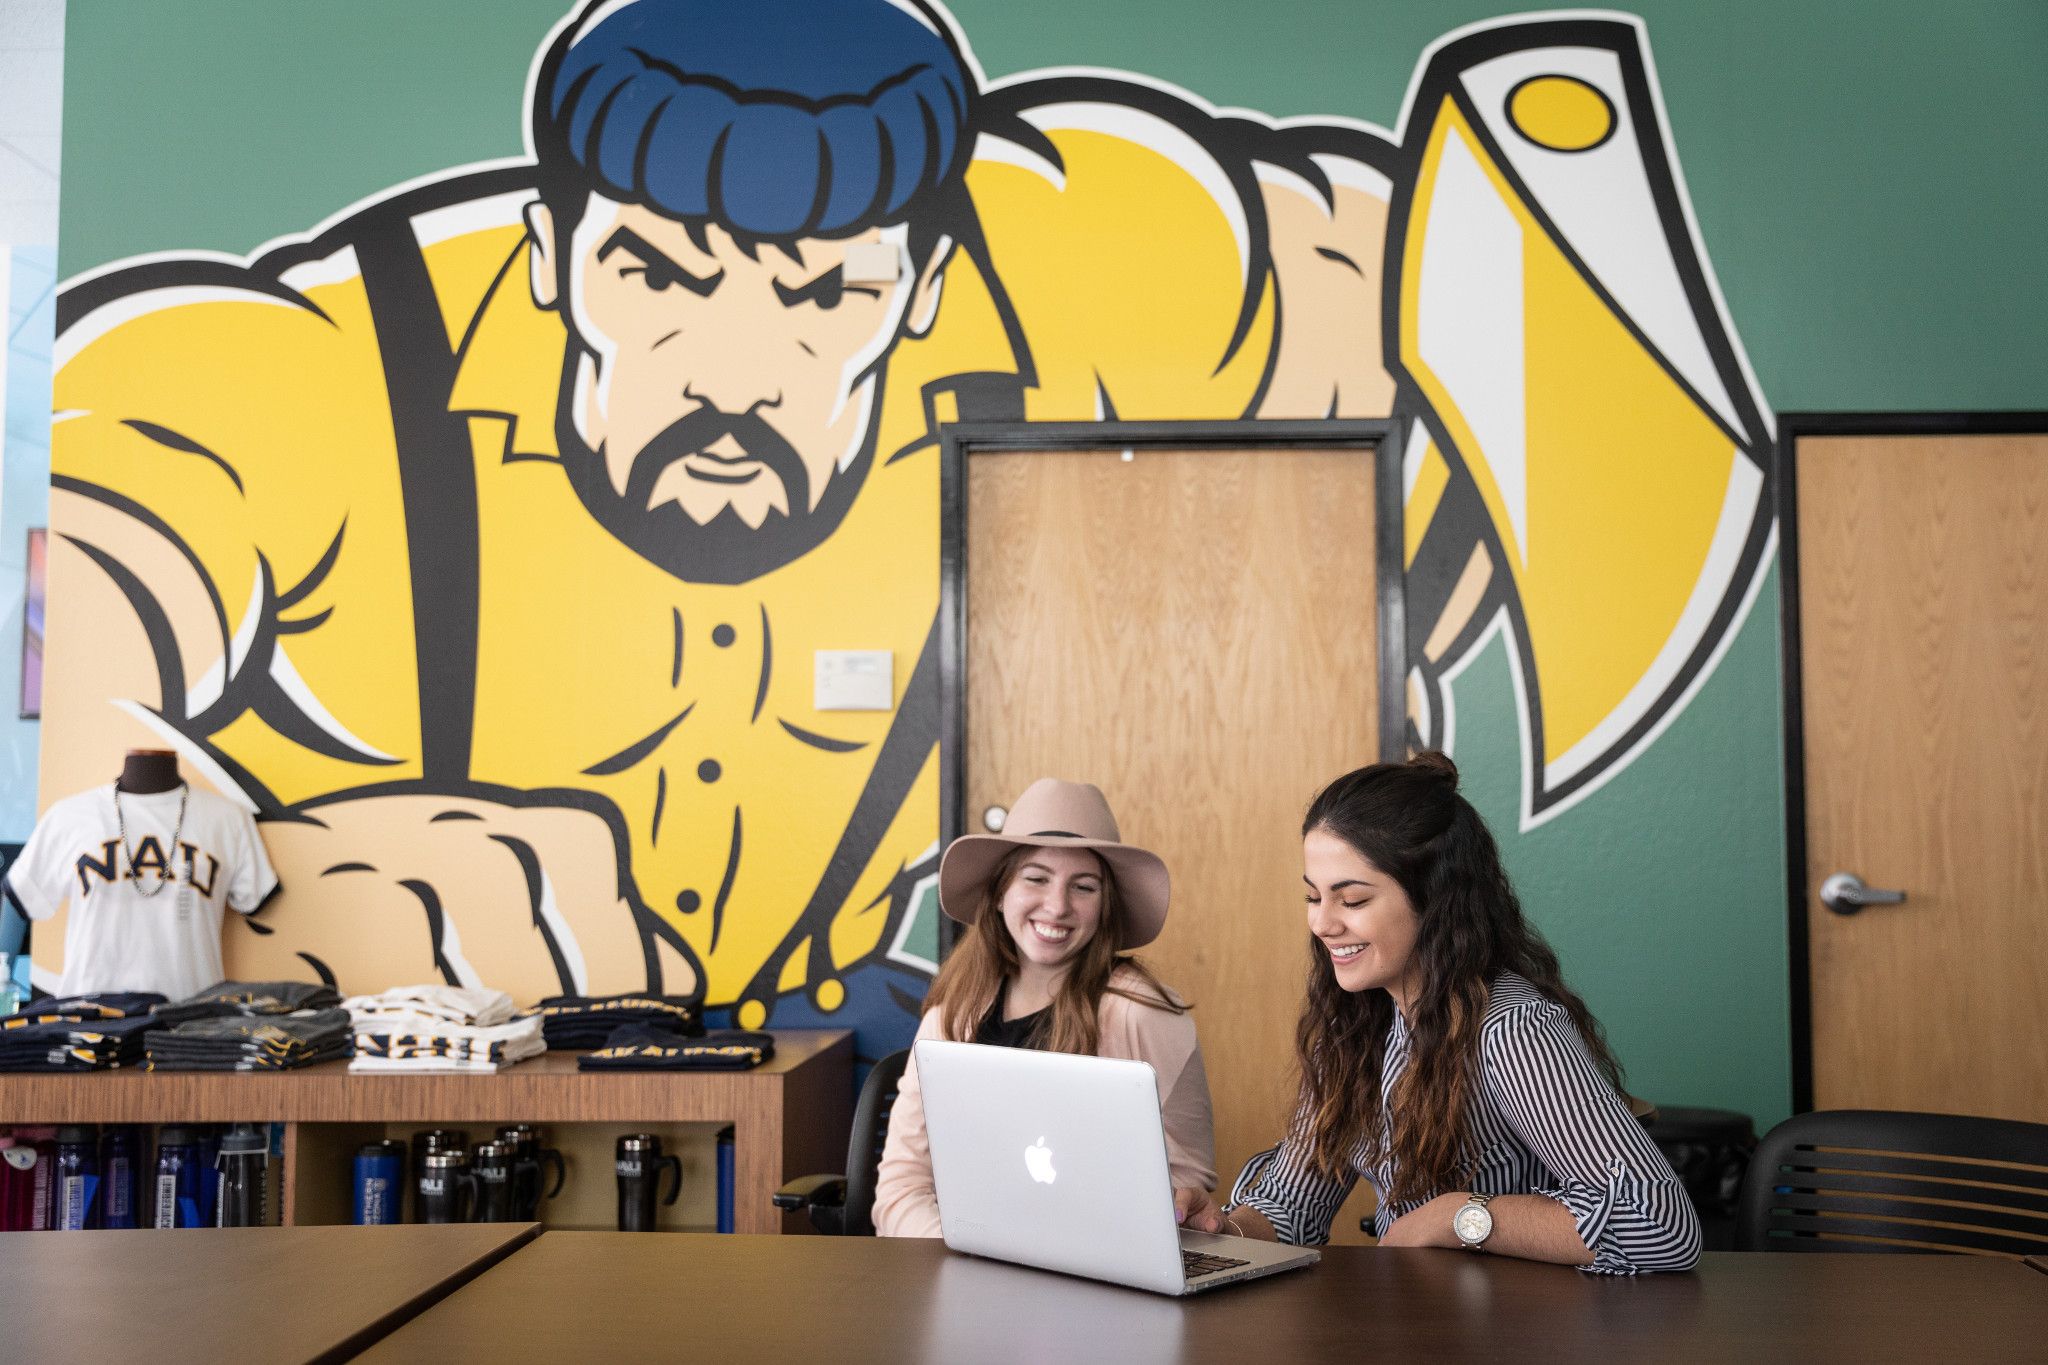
(775, 119)
(1409, 821)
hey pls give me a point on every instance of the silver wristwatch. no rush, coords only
(1473, 1222)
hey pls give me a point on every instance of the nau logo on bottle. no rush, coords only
(1038, 1161)
(148, 858)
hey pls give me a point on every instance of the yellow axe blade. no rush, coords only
(1564, 343)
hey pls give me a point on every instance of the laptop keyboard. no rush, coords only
(1194, 1263)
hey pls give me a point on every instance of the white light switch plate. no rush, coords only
(854, 680)
(871, 263)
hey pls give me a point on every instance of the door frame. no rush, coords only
(958, 441)
(1792, 426)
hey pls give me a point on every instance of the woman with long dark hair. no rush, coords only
(1444, 1059)
(1053, 905)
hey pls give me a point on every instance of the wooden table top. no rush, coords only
(546, 1089)
(231, 1294)
(2039, 1263)
(626, 1296)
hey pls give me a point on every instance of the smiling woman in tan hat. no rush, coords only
(1053, 905)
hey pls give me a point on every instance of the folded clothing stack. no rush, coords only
(589, 1020)
(252, 1042)
(80, 1009)
(475, 1006)
(644, 1047)
(440, 1028)
(75, 1045)
(231, 998)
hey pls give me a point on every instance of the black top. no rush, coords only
(1026, 1030)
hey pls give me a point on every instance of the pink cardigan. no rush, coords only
(905, 1204)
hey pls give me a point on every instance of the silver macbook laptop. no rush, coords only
(1058, 1161)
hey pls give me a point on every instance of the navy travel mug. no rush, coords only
(424, 1143)
(378, 1187)
(639, 1164)
(527, 1174)
(119, 1163)
(447, 1188)
(78, 1178)
(175, 1203)
(495, 1164)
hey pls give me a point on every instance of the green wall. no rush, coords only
(1867, 177)
(1869, 194)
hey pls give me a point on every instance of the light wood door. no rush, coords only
(1923, 566)
(1193, 632)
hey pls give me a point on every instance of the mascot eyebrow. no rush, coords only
(661, 271)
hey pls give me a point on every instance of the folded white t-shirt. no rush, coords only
(453, 1004)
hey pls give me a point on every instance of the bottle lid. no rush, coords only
(382, 1147)
(174, 1137)
(446, 1159)
(639, 1142)
(72, 1134)
(245, 1139)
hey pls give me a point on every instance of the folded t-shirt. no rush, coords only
(77, 1009)
(229, 998)
(82, 1046)
(573, 1021)
(643, 1047)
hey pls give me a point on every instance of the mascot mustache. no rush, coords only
(694, 432)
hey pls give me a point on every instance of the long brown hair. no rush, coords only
(1409, 821)
(986, 957)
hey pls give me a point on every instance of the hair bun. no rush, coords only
(1436, 761)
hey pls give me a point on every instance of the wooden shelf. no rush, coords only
(790, 1116)
(547, 1089)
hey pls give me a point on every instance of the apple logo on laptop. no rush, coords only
(1038, 1161)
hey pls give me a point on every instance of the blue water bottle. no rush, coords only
(725, 1179)
(209, 1172)
(118, 1162)
(78, 1178)
(379, 1184)
(175, 1199)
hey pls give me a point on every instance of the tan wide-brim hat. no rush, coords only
(1056, 814)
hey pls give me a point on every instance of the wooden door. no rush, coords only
(1195, 633)
(1923, 569)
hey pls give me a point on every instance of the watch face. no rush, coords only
(1472, 1224)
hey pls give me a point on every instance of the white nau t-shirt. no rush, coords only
(119, 939)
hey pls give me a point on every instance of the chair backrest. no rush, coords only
(864, 1147)
(1872, 1180)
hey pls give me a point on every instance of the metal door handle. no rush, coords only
(993, 819)
(1845, 894)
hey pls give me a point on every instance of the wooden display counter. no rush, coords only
(789, 1117)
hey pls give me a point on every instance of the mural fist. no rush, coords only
(392, 890)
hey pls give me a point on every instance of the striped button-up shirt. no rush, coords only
(1544, 1121)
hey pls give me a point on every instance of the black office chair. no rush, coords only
(843, 1205)
(1873, 1180)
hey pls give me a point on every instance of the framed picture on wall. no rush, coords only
(32, 626)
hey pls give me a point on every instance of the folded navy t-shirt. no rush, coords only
(643, 1047)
